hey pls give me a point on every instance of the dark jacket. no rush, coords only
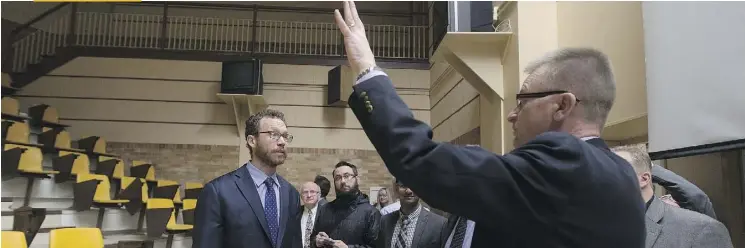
(687, 194)
(554, 191)
(350, 219)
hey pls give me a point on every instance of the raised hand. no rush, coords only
(359, 54)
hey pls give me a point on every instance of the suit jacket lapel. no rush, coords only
(449, 226)
(284, 205)
(652, 221)
(421, 224)
(247, 187)
(391, 226)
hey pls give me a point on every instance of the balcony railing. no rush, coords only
(70, 27)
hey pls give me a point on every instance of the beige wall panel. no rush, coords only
(459, 123)
(151, 111)
(615, 28)
(330, 138)
(537, 32)
(318, 75)
(278, 94)
(328, 117)
(443, 85)
(158, 133)
(113, 88)
(460, 95)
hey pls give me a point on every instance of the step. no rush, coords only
(114, 219)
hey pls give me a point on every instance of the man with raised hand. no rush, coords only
(560, 187)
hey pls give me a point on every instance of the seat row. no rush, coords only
(32, 143)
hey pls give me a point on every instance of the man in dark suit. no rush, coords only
(668, 226)
(412, 226)
(252, 207)
(561, 186)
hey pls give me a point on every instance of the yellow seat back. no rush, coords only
(50, 115)
(164, 183)
(76, 237)
(118, 168)
(62, 140)
(126, 181)
(156, 203)
(190, 204)
(150, 176)
(10, 106)
(193, 185)
(81, 165)
(13, 239)
(18, 132)
(30, 160)
(102, 190)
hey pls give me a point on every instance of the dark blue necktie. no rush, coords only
(270, 210)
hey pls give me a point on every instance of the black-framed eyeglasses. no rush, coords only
(534, 95)
(346, 177)
(275, 136)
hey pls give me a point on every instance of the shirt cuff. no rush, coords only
(369, 75)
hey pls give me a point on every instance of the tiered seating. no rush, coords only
(32, 145)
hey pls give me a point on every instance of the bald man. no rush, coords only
(309, 194)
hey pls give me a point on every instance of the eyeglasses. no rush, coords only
(309, 192)
(524, 96)
(275, 136)
(345, 177)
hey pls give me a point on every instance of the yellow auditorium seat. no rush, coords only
(142, 169)
(94, 145)
(76, 238)
(192, 190)
(94, 189)
(168, 189)
(112, 164)
(11, 110)
(13, 239)
(190, 205)
(136, 201)
(43, 115)
(161, 219)
(25, 161)
(68, 161)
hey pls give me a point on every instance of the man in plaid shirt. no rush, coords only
(412, 226)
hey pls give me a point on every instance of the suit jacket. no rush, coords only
(426, 234)
(556, 190)
(674, 227)
(481, 236)
(229, 214)
(687, 194)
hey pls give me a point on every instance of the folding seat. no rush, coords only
(21, 158)
(161, 219)
(136, 191)
(43, 115)
(95, 190)
(13, 239)
(192, 190)
(145, 170)
(67, 160)
(11, 110)
(76, 237)
(190, 205)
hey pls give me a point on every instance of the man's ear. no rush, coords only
(250, 141)
(567, 102)
(645, 179)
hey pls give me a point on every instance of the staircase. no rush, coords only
(66, 33)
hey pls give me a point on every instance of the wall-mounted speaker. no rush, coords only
(340, 83)
(242, 77)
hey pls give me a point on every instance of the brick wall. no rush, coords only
(205, 162)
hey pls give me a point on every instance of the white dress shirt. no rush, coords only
(304, 220)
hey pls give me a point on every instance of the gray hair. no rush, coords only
(639, 157)
(585, 72)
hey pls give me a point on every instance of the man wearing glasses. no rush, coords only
(560, 187)
(349, 220)
(252, 206)
(310, 194)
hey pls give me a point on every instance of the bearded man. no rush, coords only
(252, 206)
(350, 220)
